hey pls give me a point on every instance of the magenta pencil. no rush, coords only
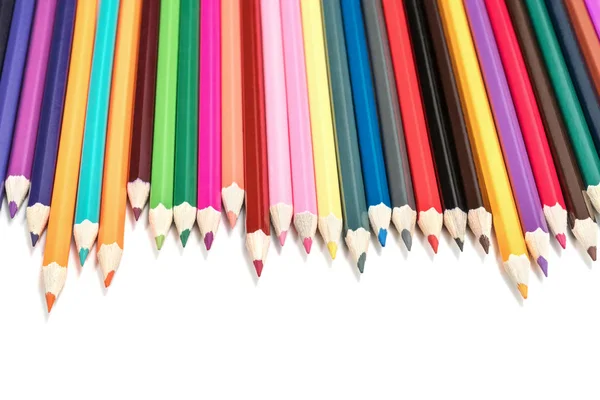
(593, 7)
(301, 156)
(281, 205)
(209, 138)
(28, 117)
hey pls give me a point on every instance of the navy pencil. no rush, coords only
(6, 11)
(365, 111)
(46, 147)
(12, 75)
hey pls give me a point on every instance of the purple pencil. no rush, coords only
(593, 7)
(12, 74)
(28, 117)
(523, 185)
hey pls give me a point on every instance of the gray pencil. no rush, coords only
(392, 133)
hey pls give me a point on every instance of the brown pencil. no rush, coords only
(255, 136)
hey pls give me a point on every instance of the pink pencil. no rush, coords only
(23, 145)
(303, 172)
(278, 146)
(209, 137)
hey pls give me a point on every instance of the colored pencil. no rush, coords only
(28, 116)
(46, 145)
(486, 147)
(352, 189)
(589, 43)
(397, 167)
(138, 186)
(530, 121)
(186, 128)
(209, 151)
(6, 11)
(89, 191)
(429, 207)
(369, 139)
(10, 81)
(579, 133)
(255, 136)
(525, 192)
(163, 145)
(232, 140)
(580, 220)
(60, 223)
(445, 157)
(479, 217)
(593, 8)
(301, 152)
(281, 205)
(329, 205)
(118, 141)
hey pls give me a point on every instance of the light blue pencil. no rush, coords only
(92, 157)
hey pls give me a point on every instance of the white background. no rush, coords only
(185, 324)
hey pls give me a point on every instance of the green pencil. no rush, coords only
(186, 134)
(163, 146)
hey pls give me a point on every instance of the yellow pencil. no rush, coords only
(484, 142)
(326, 174)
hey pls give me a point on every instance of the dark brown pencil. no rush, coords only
(138, 187)
(580, 219)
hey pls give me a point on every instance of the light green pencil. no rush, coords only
(163, 146)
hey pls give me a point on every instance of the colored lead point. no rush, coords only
(307, 242)
(184, 236)
(522, 289)
(160, 240)
(562, 240)
(406, 238)
(109, 279)
(382, 236)
(592, 252)
(258, 265)
(232, 218)
(361, 262)
(332, 247)
(34, 238)
(433, 242)
(208, 240)
(484, 241)
(12, 207)
(282, 237)
(50, 298)
(543, 263)
(137, 212)
(460, 244)
(83, 253)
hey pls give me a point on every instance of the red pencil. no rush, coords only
(536, 142)
(255, 136)
(427, 197)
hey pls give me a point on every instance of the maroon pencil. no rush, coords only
(138, 187)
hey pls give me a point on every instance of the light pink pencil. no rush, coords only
(209, 137)
(23, 145)
(303, 172)
(278, 146)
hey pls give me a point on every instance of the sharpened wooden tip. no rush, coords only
(522, 289)
(50, 299)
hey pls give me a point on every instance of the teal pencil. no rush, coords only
(87, 211)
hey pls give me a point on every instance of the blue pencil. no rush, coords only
(87, 211)
(46, 147)
(12, 75)
(371, 151)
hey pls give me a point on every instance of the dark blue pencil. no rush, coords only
(10, 82)
(6, 11)
(365, 111)
(46, 147)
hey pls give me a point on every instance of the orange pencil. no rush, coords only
(232, 141)
(118, 140)
(60, 223)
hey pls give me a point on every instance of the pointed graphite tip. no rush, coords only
(13, 208)
(232, 218)
(208, 240)
(282, 237)
(382, 236)
(361, 262)
(184, 236)
(592, 252)
(307, 242)
(332, 247)
(433, 242)
(562, 240)
(484, 241)
(160, 240)
(460, 243)
(109, 278)
(50, 298)
(34, 238)
(543, 263)
(522, 289)
(137, 212)
(406, 238)
(83, 253)
(258, 265)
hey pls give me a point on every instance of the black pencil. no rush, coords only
(6, 11)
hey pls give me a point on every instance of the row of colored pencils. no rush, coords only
(342, 116)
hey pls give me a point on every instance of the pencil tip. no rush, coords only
(592, 252)
(208, 240)
(282, 237)
(137, 212)
(522, 289)
(382, 236)
(543, 263)
(460, 244)
(34, 238)
(13, 208)
(361, 262)
(332, 247)
(258, 265)
(160, 240)
(406, 238)
(232, 218)
(109, 278)
(562, 240)
(307, 242)
(485, 243)
(83, 253)
(433, 242)
(50, 298)
(184, 236)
